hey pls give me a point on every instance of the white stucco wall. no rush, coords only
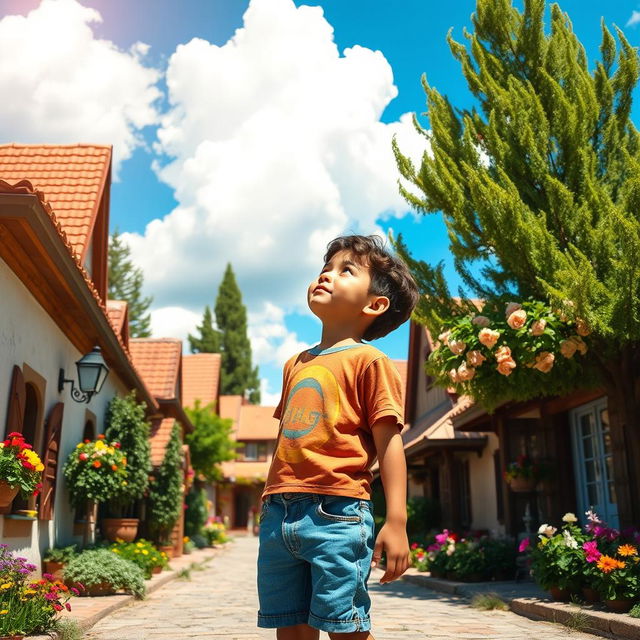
(484, 507)
(29, 336)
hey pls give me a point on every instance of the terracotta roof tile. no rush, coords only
(159, 439)
(116, 310)
(201, 378)
(230, 408)
(73, 178)
(257, 423)
(158, 363)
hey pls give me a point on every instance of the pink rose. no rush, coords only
(506, 366)
(581, 327)
(511, 307)
(481, 321)
(544, 361)
(475, 358)
(488, 337)
(444, 337)
(580, 344)
(503, 353)
(517, 319)
(457, 346)
(465, 373)
(524, 545)
(453, 376)
(538, 327)
(568, 348)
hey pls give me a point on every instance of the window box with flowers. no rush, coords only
(522, 475)
(20, 469)
(510, 351)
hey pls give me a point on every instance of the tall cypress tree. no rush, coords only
(238, 375)
(539, 186)
(210, 338)
(125, 283)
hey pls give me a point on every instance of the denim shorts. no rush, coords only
(314, 561)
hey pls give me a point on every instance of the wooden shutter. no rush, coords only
(50, 461)
(17, 402)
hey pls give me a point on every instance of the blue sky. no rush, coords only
(154, 100)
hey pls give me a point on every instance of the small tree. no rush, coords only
(210, 442)
(125, 283)
(165, 491)
(126, 424)
(210, 337)
(540, 187)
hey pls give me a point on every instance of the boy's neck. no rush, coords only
(338, 337)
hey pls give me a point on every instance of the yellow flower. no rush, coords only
(30, 592)
(145, 552)
(115, 550)
(4, 611)
(6, 585)
(110, 450)
(100, 445)
(79, 445)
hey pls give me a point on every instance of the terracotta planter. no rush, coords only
(156, 570)
(7, 494)
(11, 637)
(522, 485)
(561, 595)
(54, 568)
(124, 529)
(99, 589)
(621, 605)
(590, 595)
(168, 549)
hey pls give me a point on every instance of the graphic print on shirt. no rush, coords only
(310, 414)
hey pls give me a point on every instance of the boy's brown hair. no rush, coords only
(390, 277)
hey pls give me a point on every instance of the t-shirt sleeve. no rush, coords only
(381, 388)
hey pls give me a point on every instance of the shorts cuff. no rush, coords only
(282, 619)
(340, 626)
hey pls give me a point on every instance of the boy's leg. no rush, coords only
(298, 632)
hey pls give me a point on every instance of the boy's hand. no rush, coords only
(393, 540)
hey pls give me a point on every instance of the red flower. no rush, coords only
(27, 465)
(116, 445)
(101, 436)
(26, 446)
(15, 434)
(83, 456)
(97, 464)
(114, 467)
(68, 606)
(57, 607)
(16, 442)
(87, 441)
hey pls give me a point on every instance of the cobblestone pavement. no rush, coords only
(221, 602)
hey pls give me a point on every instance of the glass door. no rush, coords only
(594, 461)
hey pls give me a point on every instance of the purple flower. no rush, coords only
(524, 545)
(24, 572)
(31, 567)
(51, 596)
(433, 547)
(48, 576)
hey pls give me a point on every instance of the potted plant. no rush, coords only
(619, 578)
(54, 560)
(522, 475)
(20, 469)
(96, 472)
(103, 572)
(126, 425)
(142, 553)
(557, 559)
(28, 605)
(187, 545)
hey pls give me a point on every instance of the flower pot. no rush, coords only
(436, 574)
(168, 549)
(7, 494)
(561, 595)
(522, 485)
(99, 589)
(590, 595)
(156, 570)
(124, 529)
(11, 637)
(620, 605)
(474, 577)
(54, 568)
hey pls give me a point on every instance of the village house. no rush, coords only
(54, 218)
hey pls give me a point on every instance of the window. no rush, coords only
(89, 432)
(255, 451)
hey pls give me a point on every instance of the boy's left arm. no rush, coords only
(392, 538)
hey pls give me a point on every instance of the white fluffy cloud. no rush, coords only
(62, 85)
(273, 146)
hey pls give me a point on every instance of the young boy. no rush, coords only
(341, 407)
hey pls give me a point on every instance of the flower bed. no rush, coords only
(215, 531)
(29, 606)
(143, 554)
(595, 562)
(469, 559)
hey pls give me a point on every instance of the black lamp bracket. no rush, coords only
(76, 394)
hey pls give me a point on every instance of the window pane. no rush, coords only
(612, 493)
(590, 470)
(592, 493)
(587, 446)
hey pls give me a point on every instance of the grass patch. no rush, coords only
(635, 611)
(69, 629)
(577, 621)
(489, 602)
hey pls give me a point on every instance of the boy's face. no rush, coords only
(341, 290)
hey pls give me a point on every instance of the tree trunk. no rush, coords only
(624, 420)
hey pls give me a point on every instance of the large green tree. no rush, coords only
(539, 186)
(210, 442)
(230, 339)
(125, 283)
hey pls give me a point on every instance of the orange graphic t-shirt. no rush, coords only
(330, 400)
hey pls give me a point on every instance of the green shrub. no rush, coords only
(197, 511)
(635, 611)
(142, 553)
(60, 554)
(214, 532)
(98, 566)
(199, 540)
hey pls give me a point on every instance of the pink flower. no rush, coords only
(503, 353)
(580, 344)
(568, 348)
(67, 606)
(414, 545)
(538, 327)
(524, 545)
(488, 337)
(511, 307)
(457, 346)
(517, 319)
(441, 538)
(591, 551)
(481, 321)
(465, 373)
(57, 607)
(444, 337)
(506, 366)
(544, 361)
(433, 547)
(453, 376)
(475, 358)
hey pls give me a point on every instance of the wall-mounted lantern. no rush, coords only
(92, 372)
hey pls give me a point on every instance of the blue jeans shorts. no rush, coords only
(314, 561)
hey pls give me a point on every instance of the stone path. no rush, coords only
(221, 602)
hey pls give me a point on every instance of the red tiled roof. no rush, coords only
(72, 177)
(159, 438)
(116, 310)
(257, 423)
(158, 363)
(201, 378)
(230, 408)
